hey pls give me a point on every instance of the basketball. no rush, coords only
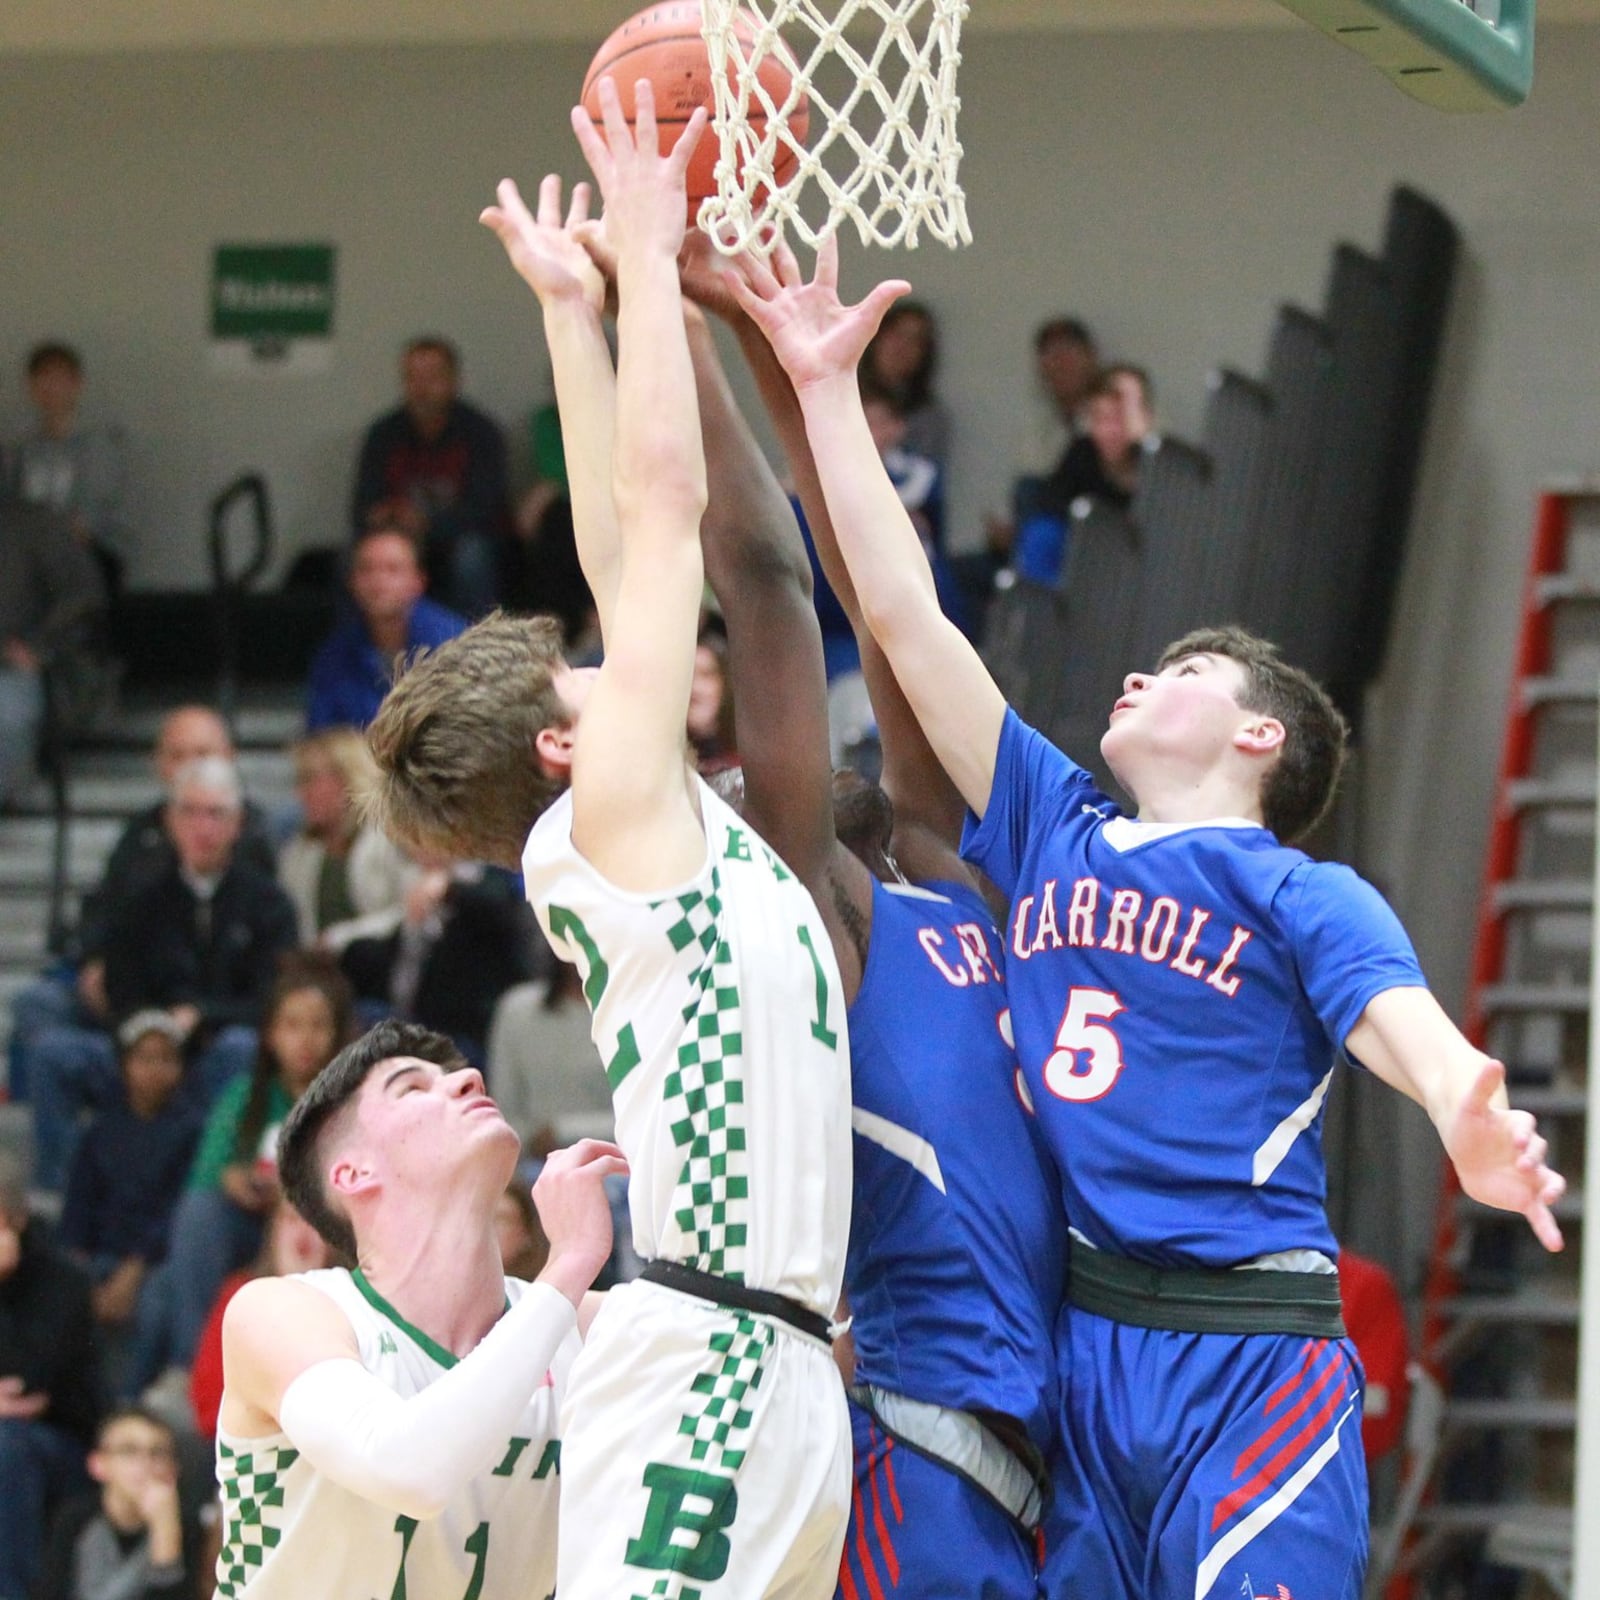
(663, 43)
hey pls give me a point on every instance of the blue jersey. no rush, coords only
(1178, 994)
(957, 1245)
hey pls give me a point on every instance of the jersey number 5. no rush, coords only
(1087, 1059)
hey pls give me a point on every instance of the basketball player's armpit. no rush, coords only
(414, 1455)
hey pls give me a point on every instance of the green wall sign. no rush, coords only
(265, 292)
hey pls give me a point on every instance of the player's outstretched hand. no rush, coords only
(576, 1214)
(545, 249)
(646, 207)
(813, 334)
(1499, 1156)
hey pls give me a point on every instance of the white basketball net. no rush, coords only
(879, 77)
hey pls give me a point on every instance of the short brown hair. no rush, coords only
(1300, 785)
(458, 774)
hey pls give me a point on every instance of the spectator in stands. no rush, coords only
(233, 1186)
(917, 479)
(711, 725)
(1068, 365)
(74, 468)
(49, 1383)
(50, 598)
(346, 879)
(291, 1245)
(126, 1178)
(200, 942)
(436, 467)
(466, 938)
(900, 364)
(544, 1071)
(76, 996)
(355, 666)
(523, 1245)
(1101, 464)
(543, 573)
(131, 1540)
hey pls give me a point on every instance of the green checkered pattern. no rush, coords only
(252, 1486)
(704, 1092)
(722, 1423)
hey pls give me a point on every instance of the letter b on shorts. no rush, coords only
(682, 1537)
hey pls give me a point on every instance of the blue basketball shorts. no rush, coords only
(1196, 1465)
(921, 1531)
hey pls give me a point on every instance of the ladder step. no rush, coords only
(1549, 1520)
(1502, 997)
(1534, 1412)
(1559, 691)
(1554, 1309)
(1559, 588)
(1550, 1100)
(1532, 794)
(1544, 894)
(1569, 1208)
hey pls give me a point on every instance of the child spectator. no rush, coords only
(347, 881)
(124, 1183)
(130, 1541)
(49, 1383)
(899, 365)
(292, 1245)
(233, 1185)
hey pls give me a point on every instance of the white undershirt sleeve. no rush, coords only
(414, 1455)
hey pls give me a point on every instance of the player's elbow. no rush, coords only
(419, 1498)
(661, 486)
(899, 614)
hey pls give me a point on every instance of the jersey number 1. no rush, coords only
(476, 1546)
(1087, 1059)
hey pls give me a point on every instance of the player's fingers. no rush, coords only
(827, 273)
(606, 1167)
(550, 200)
(873, 309)
(688, 140)
(1545, 1227)
(646, 140)
(758, 275)
(511, 201)
(595, 150)
(578, 211)
(1491, 1079)
(787, 267)
(1552, 1187)
(1533, 1154)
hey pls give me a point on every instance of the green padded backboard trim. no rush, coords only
(1437, 51)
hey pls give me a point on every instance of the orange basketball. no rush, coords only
(663, 43)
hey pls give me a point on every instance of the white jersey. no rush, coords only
(289, 1533)
(719, 1015)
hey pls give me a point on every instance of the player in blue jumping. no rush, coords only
(1180, 983)
(955, 1267)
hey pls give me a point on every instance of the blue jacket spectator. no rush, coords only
(355, 666)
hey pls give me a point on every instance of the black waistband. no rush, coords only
(1247, 1300)
(724, 1292)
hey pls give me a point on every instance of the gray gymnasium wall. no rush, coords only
(1171, 188)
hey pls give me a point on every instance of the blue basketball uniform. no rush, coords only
(1178, 994)
(957, 1244)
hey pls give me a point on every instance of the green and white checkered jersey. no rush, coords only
(289, 1533)
(720, 1018)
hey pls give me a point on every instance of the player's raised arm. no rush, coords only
(820, 341)
(545, 252)
(1405, 1038)
(634, 817)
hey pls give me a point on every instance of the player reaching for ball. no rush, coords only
(707, 1448)
(1180, 982)
(956, 1258)
(392, 1430)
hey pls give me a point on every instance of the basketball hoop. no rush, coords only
(878, 81)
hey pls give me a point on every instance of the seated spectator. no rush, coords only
(393, 616)
(1068, 365)
(544, 1071)
(50, 596)
(1102, 464)
(73, 468)
(543, 573)
(76, 995)
(346, 879)
(291, 1245)
(125, 1182)
(200, 942)
(436, 468)
(710, 725)
(900, 364)
(233, 1186)
(467, 936)
(131, 1540)
(523, 1245)
(49, 1383)
(918, 479)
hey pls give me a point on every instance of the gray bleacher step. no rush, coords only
(1503, 997)
(1479, 1518)
(1567, 793)
(1559, 691)
(1544, 894)
(1550, 1099)
(1564, 588)
(1526, 1307)
(22, 944)
(274, 721)
(1569, 1208)
(1535, 1412)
